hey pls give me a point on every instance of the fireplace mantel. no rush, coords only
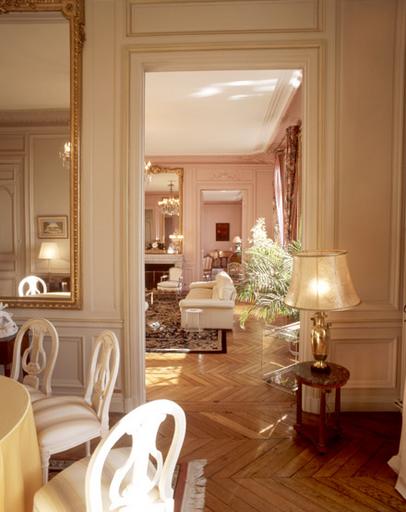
(174, 259)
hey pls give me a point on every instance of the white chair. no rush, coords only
(64, 422)
(31, 285)
(134, 478)
(172, 282)
(37, 367)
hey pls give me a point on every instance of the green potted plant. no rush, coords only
(267, 274)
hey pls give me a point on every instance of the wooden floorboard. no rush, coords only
(244, 428)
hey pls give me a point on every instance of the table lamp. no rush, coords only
(321, 282)
(48, 251)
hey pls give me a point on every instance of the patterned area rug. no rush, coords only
(189, 483)
(163, 332)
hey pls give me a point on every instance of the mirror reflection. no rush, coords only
(163, 210)
(39, 170)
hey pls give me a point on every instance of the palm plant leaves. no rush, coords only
(268, 270)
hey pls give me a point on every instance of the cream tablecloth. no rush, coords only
(20, 464)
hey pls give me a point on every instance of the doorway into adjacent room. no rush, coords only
(224, 129)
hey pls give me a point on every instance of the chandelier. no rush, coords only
(65, 154)
(170, 205)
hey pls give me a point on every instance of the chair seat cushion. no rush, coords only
(35, 394)
(66, 491)
(80, 423)
(169, 284)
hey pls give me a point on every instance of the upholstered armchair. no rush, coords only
(173, 281)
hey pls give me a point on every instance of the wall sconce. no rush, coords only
(321, 282)
(176, 239)
(66, 154)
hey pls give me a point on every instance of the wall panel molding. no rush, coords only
(357, 225)
(187, 17)
(71, 355)
(376, 371)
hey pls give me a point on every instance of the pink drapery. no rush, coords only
(278, 199)
(286, 187)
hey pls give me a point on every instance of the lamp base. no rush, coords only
(320, 335)
(320, 367)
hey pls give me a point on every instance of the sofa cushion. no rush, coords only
(216, 292)
(200, 293)
(224, 287)
(222, 278)
(227, 292)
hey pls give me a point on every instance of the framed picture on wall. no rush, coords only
(222, 231)
(55, 226)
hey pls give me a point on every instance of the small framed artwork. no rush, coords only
(222, 231)
(54, 226)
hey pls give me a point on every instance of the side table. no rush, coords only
(193, 319)
(326, 382)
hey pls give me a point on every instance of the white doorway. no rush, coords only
(140, 63)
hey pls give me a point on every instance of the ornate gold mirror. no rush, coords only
(163, 210)
(40, 116)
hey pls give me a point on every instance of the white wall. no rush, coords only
(352, 53)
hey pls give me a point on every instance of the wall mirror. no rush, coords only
(163, 210)
(40, 116)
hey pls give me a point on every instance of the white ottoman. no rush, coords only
(193, 319)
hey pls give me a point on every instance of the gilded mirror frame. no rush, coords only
(178, 171)
(73, 11)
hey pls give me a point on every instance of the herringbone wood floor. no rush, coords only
(244, 428)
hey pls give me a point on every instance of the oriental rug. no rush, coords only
(189, 483)
(163, 331)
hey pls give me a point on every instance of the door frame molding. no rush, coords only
(318, 140)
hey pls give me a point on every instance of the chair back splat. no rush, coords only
(102, 376)
(144, 481)
(31, 285)
(123, 474)
(36, 366)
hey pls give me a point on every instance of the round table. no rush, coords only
(325, 382)
(20, 463)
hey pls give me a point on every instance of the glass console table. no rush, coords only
(280, 354)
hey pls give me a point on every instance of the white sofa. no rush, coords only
(216, 299)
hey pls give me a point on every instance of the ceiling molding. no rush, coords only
(35, 117)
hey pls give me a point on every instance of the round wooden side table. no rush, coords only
(325, 382)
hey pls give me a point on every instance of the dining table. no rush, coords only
(20, 463)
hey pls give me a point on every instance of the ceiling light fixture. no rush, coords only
(237, 97)
(170, 205)
(205, 92)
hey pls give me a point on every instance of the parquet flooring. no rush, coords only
(244, 428)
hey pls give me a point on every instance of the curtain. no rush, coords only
(286, 188)
(291, 182)
(278, 199)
